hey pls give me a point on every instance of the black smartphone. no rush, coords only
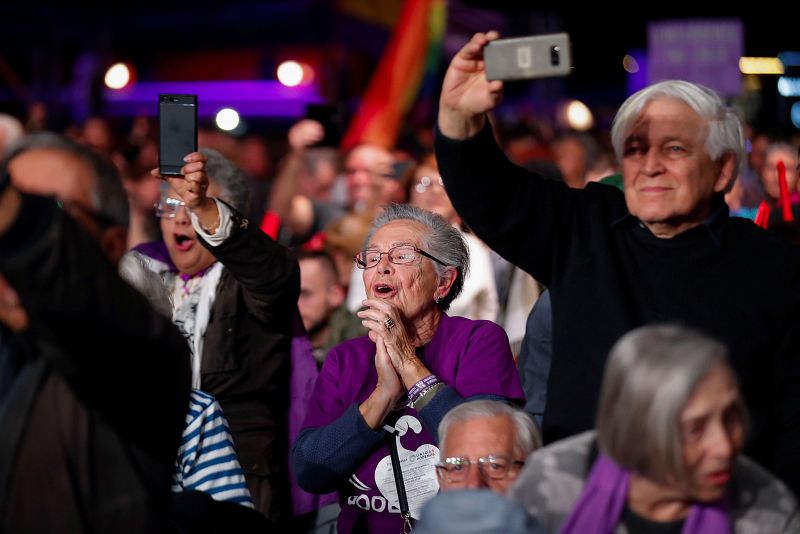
(332, 119)
(177, 119)
(525, 58)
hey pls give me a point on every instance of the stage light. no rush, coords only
(117, 76)
(760, 65)
(227, 119)
(290, 73)
(579, 117)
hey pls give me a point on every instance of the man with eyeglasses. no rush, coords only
(484, 444)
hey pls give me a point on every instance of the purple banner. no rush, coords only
(701, 51)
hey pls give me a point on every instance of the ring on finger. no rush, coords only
(388, 323)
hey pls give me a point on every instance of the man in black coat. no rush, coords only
(665, 250)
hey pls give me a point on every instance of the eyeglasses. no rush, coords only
(168, 207)
(401, 255)
(456, 470)
(426, 182)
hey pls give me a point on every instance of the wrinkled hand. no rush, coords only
(398, 343)
(305, 133)
(466, 93)
(389, 383)
(193, 185)
(12, 314)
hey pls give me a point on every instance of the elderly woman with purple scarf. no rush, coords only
(665, 454)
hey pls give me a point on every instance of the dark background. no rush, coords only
(40, 43)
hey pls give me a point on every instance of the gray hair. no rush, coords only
(108, 196)
(228, 178)
(527, 437)
(724, 136)
(442, 241)
(651, 374)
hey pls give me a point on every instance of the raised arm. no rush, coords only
(466, 93)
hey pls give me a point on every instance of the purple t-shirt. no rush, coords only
(473, 357)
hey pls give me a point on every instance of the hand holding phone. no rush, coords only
(177, 118)
(523, 58)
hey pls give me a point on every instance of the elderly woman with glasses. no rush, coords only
(390, 389)
(665, 455)
(231, 290)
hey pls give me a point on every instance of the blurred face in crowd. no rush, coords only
(570, 156)
(70, 179)
(670, 179)
(58, 174)
(712, 431)
(769, 175)
(427, 192)
(320, 294)
(490, 438)
(366, 169)
(188, 255)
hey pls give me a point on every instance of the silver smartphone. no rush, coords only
(524, 58)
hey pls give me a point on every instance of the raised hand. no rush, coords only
(466, 93)
(192, 188)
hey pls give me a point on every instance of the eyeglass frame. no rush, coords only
(165, 199)
(364, 266)
(442, 467)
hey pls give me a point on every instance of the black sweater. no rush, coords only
(608, 274)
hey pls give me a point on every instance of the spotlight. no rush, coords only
(579, 117)
(118, 76)
(290, 73)
(227, 119)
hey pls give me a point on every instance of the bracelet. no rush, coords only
(416, 390)
(426, 396)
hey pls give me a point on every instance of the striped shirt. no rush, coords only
(206, 459)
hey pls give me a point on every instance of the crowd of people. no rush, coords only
(496, 333)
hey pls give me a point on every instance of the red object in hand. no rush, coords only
(786, 204)
(762, 215)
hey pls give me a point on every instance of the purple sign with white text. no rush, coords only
(698, 50)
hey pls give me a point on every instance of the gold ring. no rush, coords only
(388, 323)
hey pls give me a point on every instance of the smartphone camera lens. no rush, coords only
(555, 55)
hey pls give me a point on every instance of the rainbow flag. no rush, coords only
(413, 52)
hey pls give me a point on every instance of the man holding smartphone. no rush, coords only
(665, 250)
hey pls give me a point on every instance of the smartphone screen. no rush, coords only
(177, 118)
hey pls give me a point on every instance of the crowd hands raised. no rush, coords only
(269, 378)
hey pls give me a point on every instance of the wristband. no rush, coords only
(426, 396)
(417, 389)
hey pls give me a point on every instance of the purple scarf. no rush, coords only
(603, 498)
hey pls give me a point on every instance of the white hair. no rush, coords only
(724, 134)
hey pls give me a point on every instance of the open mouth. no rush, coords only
(183, 242)
(383, 290)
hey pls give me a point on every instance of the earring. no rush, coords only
(437, 300)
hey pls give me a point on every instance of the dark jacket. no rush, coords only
(96, 447)
(246, 353)
(607, 274)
